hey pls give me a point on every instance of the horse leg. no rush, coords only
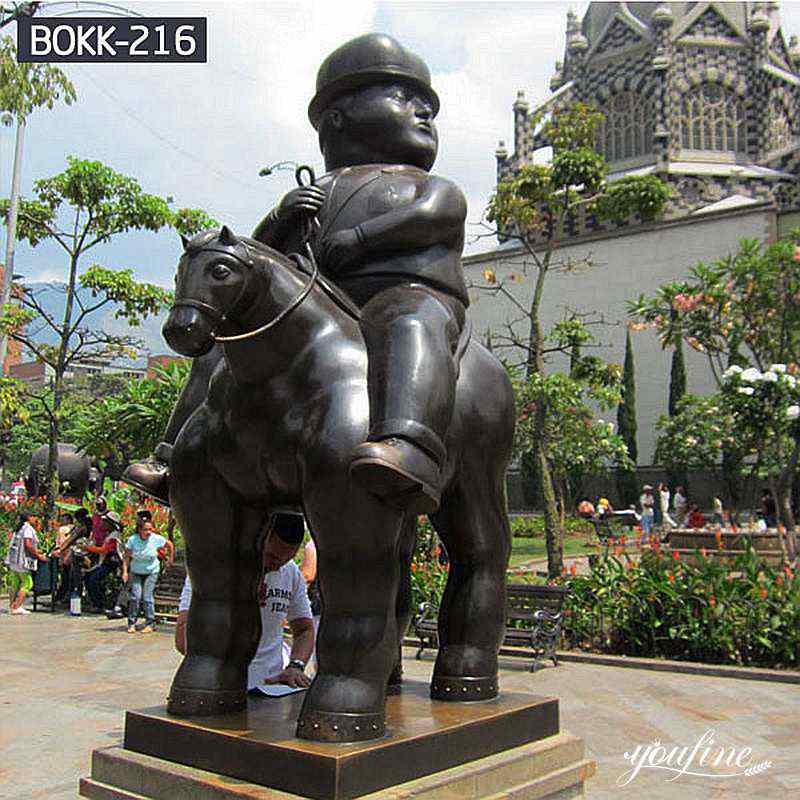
(403, 611)
(223, 554)
(473, 524)
(357, 643)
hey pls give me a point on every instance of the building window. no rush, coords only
(713, 118)
(780, 128)
(627, 131)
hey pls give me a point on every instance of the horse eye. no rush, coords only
(220, 272)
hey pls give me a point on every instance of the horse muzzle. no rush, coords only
(188, 332)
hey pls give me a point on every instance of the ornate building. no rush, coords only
(706, 95)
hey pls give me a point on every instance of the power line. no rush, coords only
(161, 137)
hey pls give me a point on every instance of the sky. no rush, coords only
(200, 133)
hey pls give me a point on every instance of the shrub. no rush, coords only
(664, 608)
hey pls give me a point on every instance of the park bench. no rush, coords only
(533, 620)
(168, 591)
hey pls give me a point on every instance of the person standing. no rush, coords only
(769, 508)
(22, 559)
(308, 569)
(719, 518)
(663, 502)
(681, 506)
(140, 569)
(647, 502)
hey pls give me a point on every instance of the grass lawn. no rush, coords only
(526, 548)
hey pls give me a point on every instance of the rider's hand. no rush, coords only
(291, 676)
(304, 200)
(341, 249)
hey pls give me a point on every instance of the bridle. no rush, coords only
(220, 318)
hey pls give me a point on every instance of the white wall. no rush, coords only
(624, 267)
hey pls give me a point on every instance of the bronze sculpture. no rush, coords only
(361, 418)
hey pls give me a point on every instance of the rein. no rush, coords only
(273, 322)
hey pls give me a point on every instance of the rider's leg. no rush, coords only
(223, 554)
(473, 525)
(411, 332)
(152, 476)
(359, 571)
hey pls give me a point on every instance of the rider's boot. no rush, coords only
(402, 474)
(152, 476)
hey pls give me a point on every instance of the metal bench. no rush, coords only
(168, 591)
(533, 620)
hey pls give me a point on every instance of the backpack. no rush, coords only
(17, 558)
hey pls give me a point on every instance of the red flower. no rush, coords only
(622, 540)
(676, 555)
(564, 570)
(779, 581)
(712, 601)
(763, 594)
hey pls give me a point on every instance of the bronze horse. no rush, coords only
(284, 409)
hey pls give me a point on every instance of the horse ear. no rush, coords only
(227, 236)
(185, 241)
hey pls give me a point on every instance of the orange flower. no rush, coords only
(712, 601)
(573, 570)
(617, 551)
(779, 581)
(564, 570)
(718, 536)
(763, 594)
(671, 578)
(413, 567)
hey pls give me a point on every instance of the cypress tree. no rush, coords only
(677, 390)
(626, 426)
(677, 378)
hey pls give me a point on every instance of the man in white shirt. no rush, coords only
(282, 598)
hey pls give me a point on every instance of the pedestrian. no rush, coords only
(22, 560)
(282, 598)
(308, 569)
(663, 502)
(647, 503)
(64, 555)
(719, 517)
(140, 569)
(769, 509)
(680, 506)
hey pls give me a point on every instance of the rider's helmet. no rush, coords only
(366, 60)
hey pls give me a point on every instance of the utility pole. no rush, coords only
(11, 233)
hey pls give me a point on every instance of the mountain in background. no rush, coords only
(51, 297)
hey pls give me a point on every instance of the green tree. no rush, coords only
(122, 428)
(626, 426)
(86, 205)
(534, 208)
(677, 475)
(742, 312)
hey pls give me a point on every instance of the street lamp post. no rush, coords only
(11, 233)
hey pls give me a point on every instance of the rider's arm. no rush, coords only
(436, 216)
(272, 230)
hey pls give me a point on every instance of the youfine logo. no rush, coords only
(703, 759)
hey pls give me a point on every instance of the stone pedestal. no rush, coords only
(506, 747)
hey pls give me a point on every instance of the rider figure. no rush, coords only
(391, 235)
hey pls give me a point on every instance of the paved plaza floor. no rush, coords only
(66, 682)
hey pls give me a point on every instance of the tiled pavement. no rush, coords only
(64, 683)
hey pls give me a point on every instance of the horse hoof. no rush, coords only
(204, 703)
(332, 726)
(463, 689)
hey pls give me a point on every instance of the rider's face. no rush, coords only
(393, 122)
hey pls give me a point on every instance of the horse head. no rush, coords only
(214, 288)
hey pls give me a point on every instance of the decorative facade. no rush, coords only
(705, 95)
